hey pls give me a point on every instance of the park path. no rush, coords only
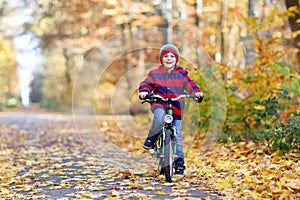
(43, 156)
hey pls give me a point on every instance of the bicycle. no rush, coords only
(165, 144)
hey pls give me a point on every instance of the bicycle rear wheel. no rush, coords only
(168, 157)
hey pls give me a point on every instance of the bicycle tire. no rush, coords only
(168, 157)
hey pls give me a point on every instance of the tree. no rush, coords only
(9, 82)
(294, 22)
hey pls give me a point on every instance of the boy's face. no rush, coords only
(169, 60)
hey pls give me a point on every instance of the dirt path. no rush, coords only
(43, 156)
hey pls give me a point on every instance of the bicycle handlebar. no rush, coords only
(153, 97)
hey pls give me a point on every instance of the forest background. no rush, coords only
(250, 47)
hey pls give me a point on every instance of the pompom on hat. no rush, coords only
(169, 48)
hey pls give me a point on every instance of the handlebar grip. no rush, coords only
(149, 96)
(200, 99)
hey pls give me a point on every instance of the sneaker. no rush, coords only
(179, 172)
(148, 144)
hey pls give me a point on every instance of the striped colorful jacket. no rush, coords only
(169, 85)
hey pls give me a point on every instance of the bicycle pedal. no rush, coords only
(152, 152)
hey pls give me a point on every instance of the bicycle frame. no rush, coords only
(165, 146)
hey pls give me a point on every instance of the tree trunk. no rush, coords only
(198, 23)
(167, 14)
(250, 54)
(127, 43)
(222, 25)
(293, 23)
(199, 10)
(67, 72)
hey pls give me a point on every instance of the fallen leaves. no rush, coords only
(242, 171)
(51, 164)
(43, 162)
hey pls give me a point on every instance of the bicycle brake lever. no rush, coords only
(148, 101)
(144, 101)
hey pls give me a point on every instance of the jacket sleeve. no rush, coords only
(148, 84)
(189, 85)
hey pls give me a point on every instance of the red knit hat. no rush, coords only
(169, 48)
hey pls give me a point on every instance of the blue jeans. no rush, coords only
(156, 127)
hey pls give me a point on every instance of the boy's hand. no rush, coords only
(142, 95)
(199, 98)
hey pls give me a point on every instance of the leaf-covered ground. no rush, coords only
(42, 156)
(235, 171)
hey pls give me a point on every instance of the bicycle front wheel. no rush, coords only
(168, 157)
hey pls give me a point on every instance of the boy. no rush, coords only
(168, 80)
